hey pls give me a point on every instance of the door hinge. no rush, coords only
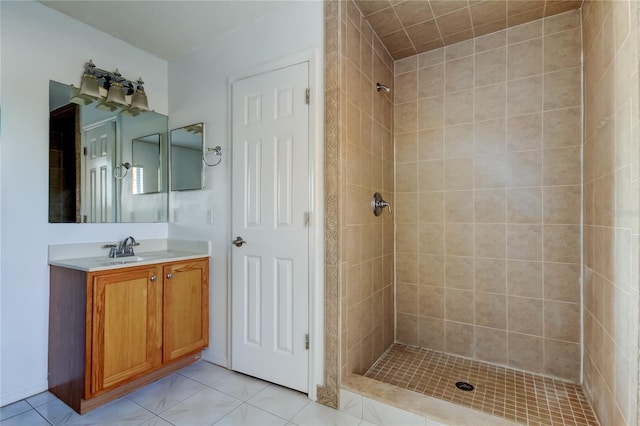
(306, 341)
(84, 151)
(308, 96)
(307, 218)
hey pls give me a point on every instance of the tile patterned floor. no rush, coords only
(515, 395)
(200, 394)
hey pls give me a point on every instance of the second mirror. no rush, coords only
(186, 157)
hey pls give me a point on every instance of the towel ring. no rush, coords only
(215, 151)
(116, 173)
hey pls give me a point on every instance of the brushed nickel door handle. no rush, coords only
(238, 242)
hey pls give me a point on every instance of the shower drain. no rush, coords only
(465, 386)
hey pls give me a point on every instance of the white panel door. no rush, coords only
(270, 203)
(97, 202)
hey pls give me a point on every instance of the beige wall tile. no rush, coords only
(407, 239)
(430, 112)
(525, 352)
(459, 239)
(431, 144)
(525, 315)
(563, 50)
(524, 278)
(562, 89)
(407, 329)
(459, 305)
(562, 22)
(431, 175)
(430, 58)
(490, 136)
(562, 359)
(490, 171)
(430, 238)
(524, 205)
(406, 267)
(458, 140)
(491, 41)
(431, 270)
(491, 345)
(406, 147)
(524, 32)
(405, 87)
(524, 96)
(562, 282)
(525, 168)
(524, 59)
(457, 50)
(407, 298)
(459, 74)
(406, 208)
(490, 102)
(562, 166)
(562, 243)
(431, 333)
(562, 127)
(431, 207)
(430, 301)
(562, 204)
(490, 275)
(489, 240)
(458, 173)
(524, 242)
(524, 132)
(562, 321)
(459, 206)
(459, 338)
(431, 81)
(407, 178)
(406, 118)
(458, 107)
(490, 206)
(490, 66)
(459, 272)
(491, 310)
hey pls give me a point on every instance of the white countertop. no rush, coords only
(149, 252)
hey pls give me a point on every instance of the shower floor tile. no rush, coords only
(515, 395)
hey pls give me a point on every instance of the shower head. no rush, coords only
(381, 87)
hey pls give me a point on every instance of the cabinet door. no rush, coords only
(126, 327)
(186, 308)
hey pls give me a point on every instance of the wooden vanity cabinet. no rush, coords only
(113, 331)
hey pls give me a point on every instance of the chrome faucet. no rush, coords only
(123, 249)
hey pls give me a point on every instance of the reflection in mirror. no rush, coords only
(186, 157)
(145, 170)
(91, 154)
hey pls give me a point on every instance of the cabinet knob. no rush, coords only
(153, 278)
(169, 276)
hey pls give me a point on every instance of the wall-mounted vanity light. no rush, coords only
(111, 90)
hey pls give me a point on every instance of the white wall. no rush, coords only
(198, 92)
(38, 44)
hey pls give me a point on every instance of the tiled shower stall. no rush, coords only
(511, 161)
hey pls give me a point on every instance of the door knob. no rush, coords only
(238, 242)
(169, 276)
(154, 278)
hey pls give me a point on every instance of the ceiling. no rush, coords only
(416, 26)
(170, 29)
(167, 29)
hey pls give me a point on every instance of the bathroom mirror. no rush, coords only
(95, 157)
(146, 174)
(186, 157)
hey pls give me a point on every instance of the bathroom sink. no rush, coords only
(124, 260)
